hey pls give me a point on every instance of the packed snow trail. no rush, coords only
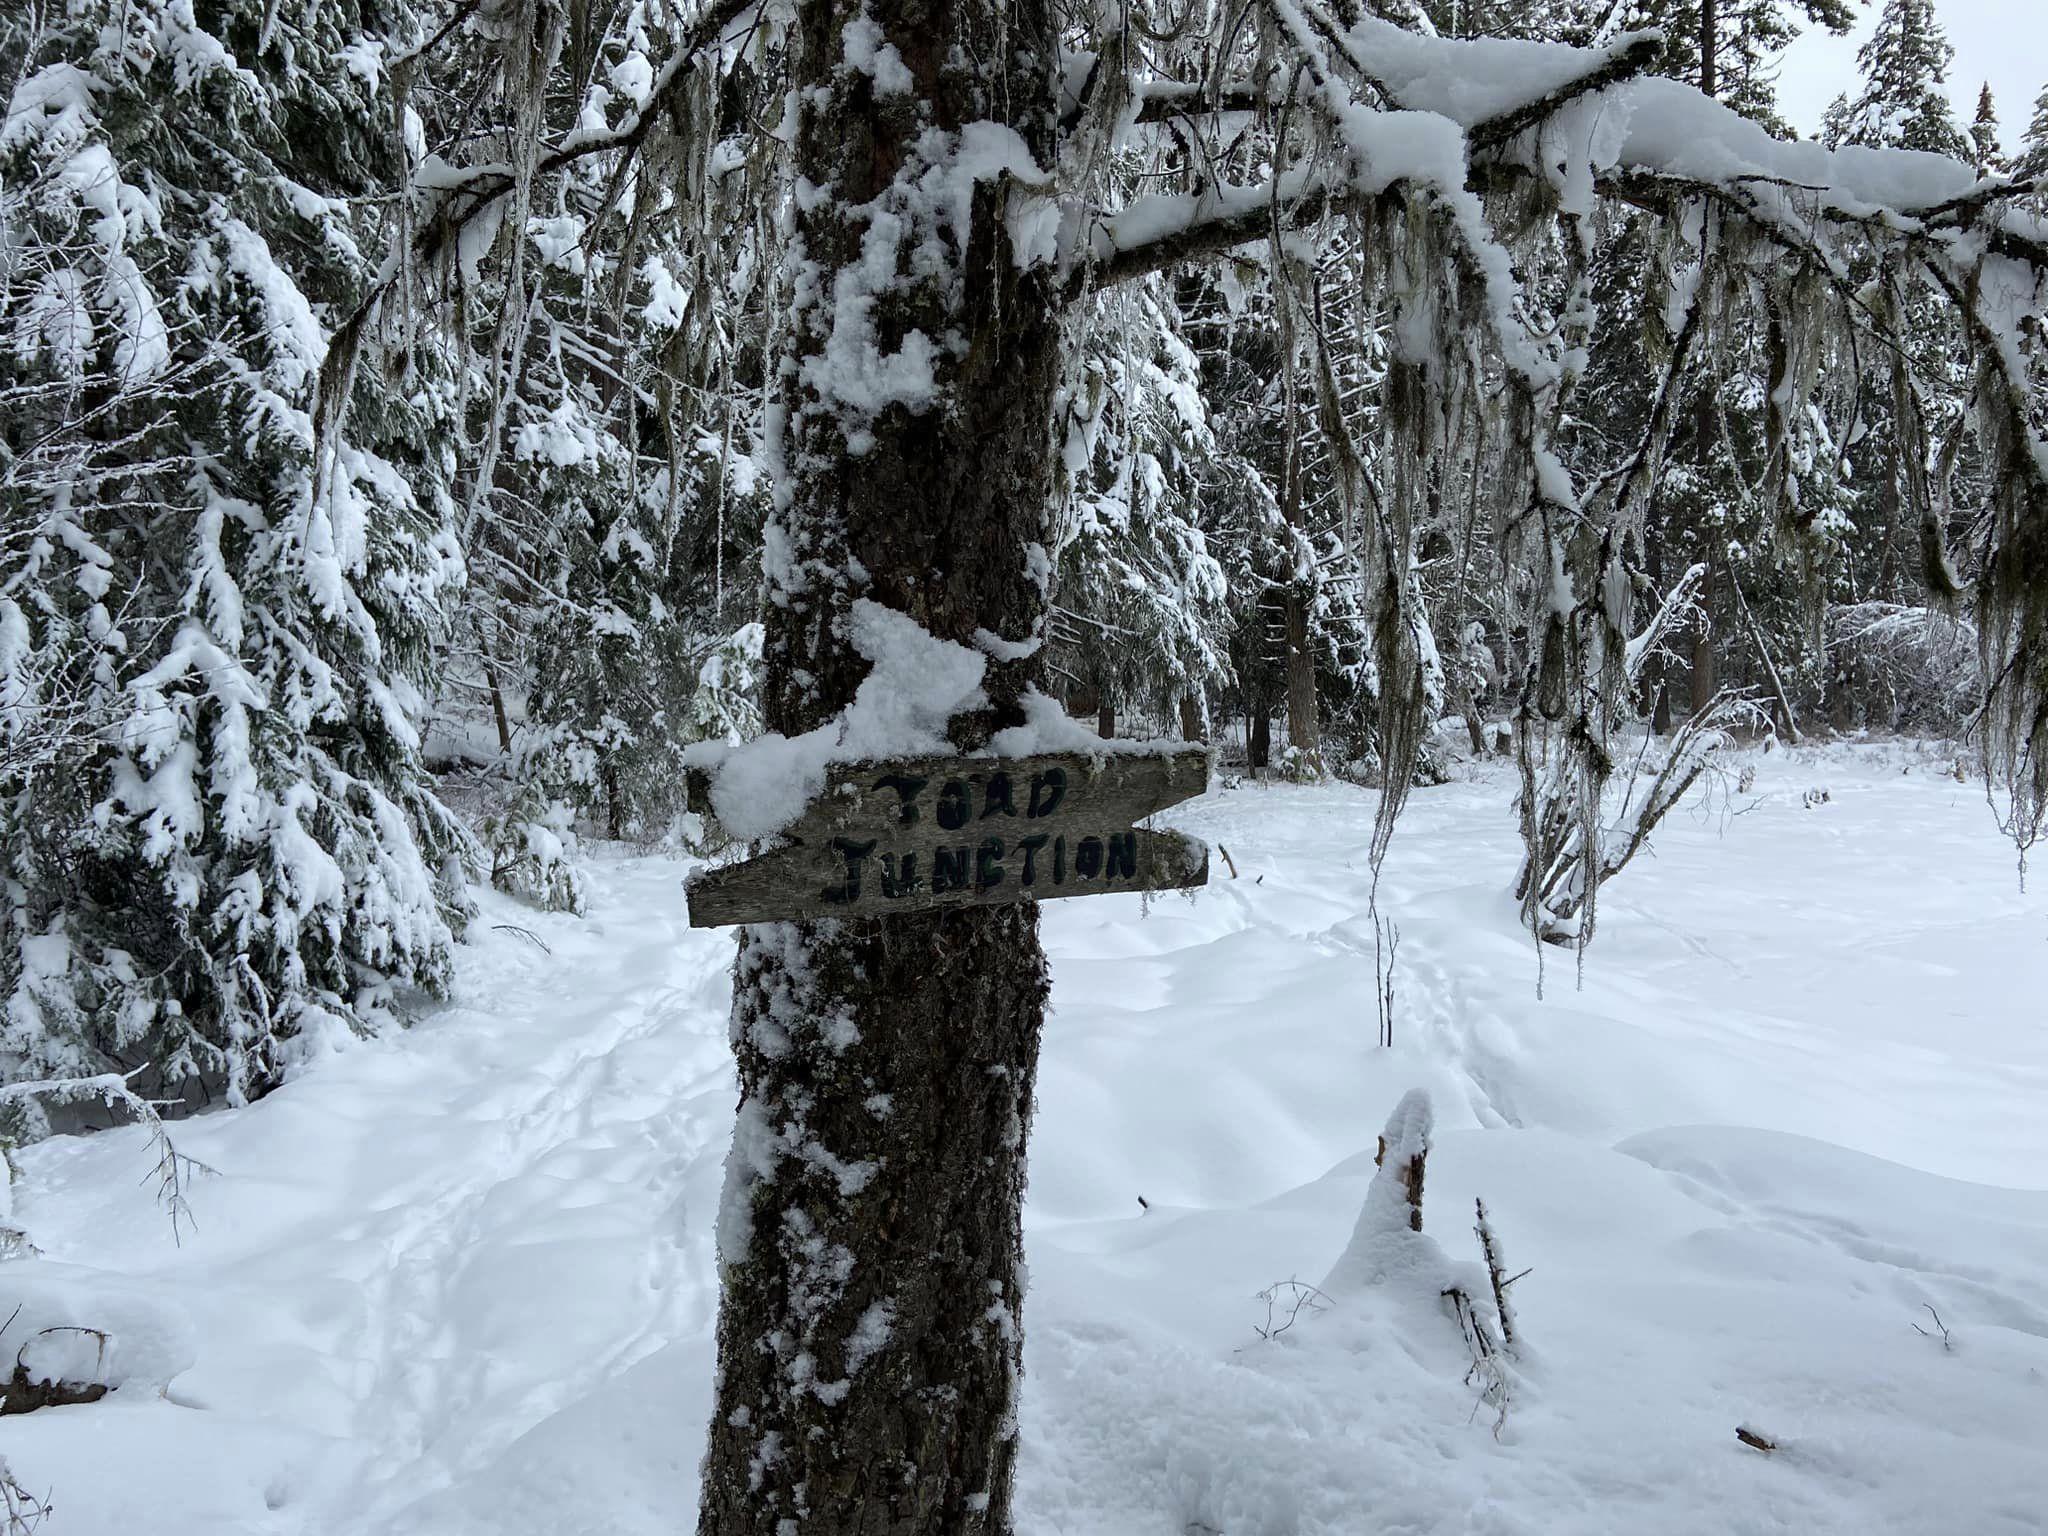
(425, 1246)
(460, 1281)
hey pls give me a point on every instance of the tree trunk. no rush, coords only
(1258, 749)
(1302, 725)
(498, 714)
(1710, 70)
(870, 1235)
(1656, 686)
(1105, 719)
(1780, 695)
(1191, 717)
(614, 803)
(1706, 675)
(1462, 699)
(1888, 583)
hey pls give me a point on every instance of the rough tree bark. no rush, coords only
(870, 1237)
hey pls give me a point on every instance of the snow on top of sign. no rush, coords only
(901, 709)
(918, 684)
(1048, 727)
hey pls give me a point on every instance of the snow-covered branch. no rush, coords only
(172, 1169)
(1626, 59)
(460, 196)
(1166, 229)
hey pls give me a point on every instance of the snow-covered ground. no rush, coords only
(459, 1281)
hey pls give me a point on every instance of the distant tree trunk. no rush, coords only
(1105, 719)
(1303, 728)
(1710, 64)
(870, 1236)
(1655, 683)
(1781, 697)
(1258, 747)
(1461, 697)
(1706, 674)
(614, 803)
(1887, 563)
(498, 715)
(1191, 717)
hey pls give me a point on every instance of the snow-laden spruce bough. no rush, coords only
(958, 188)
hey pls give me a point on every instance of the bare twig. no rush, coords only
(1948, 1340)
(524, 933)
(173, 1170)
(22, 1511)
(1489, 1246)
(1489, 1369)
(1386, 945)
(1295, 1296)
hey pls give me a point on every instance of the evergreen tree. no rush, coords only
(2033, 155)
(1139, 601)
(245, 590)
(1902, 103)
(1729, 49)
(1984, 133)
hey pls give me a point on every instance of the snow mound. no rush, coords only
(65, 1323)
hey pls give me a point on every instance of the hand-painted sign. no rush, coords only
(967, 831)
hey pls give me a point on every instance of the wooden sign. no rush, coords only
(964, 832)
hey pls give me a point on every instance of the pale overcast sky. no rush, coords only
(2002, 41)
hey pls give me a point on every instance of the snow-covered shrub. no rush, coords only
(637, 775)
(532, 845)
(726, 705)
(1579, 827)
(1435, 763)
(1298, 765)
(1901, 668)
